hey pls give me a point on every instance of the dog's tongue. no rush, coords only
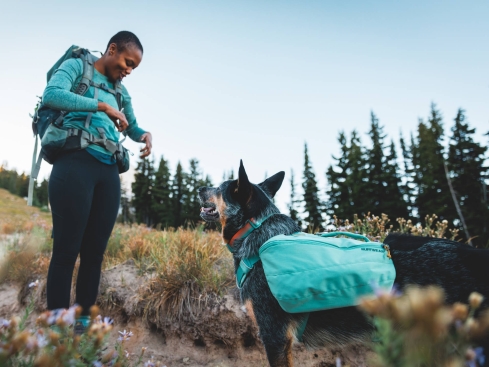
(207, 210)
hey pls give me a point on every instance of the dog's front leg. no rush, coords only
(276, 332)
(279, 350)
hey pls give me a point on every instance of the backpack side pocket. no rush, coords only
(122, 159)
(53, 141)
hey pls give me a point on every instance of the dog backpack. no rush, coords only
(308, 272)
(47, 122)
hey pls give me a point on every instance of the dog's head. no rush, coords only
(235, 201)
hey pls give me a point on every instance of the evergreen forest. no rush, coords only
(428, 172)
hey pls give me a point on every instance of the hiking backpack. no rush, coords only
(47, 123)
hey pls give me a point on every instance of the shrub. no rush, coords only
(377, 228)
(417, 329)
(191, 267)
(51, 342)
(25, 257)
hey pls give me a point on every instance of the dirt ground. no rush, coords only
(220, 336)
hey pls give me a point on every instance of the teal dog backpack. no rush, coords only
(313, 272)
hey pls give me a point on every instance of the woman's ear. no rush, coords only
(112, 50)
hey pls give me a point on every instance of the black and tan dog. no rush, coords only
(459, 269)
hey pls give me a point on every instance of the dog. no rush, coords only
(459, 269)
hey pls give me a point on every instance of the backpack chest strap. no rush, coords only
(103, 87)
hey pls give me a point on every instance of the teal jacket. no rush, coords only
(59, 94)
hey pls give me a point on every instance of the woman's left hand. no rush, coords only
(146, 138)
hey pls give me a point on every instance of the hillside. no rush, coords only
(145, 274)
(16, 216)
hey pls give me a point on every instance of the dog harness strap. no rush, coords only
(302, 327)
(245, 266)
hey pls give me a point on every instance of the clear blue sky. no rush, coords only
(225, 80)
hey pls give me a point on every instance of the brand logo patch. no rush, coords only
(371, 249)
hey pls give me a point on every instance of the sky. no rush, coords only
(222, 81)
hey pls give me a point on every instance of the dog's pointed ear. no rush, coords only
(272, 184)
(243, 190)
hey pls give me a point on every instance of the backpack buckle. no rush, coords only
(253, 223)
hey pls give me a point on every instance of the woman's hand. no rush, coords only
(146, 138)
(117, 117)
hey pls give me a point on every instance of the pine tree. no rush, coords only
(384, 183)
(125, 215)
(467, 174)
(312, 203)
(375, 191)
(394, 204)
(41, 194)
(22, 185)
(178, 193)
(18, 184)
(293, 212)
(338, 193)
(8, 179)
(190, 200)
(433, 195)
(142, 189)
(348, 180)
(356, 179)
(162, 203)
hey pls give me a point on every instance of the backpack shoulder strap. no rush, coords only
(118, 93)
(87, 76)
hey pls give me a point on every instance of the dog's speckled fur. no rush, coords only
(459, 269)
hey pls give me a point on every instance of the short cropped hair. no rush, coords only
(124, 38)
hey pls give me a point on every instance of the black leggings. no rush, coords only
(84, 194)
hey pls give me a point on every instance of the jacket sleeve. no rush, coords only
(58, 93)
(133, 130)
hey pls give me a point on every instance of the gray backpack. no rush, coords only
(47, 123)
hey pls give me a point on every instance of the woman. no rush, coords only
(84, 187)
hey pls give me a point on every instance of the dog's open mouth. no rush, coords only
(209, 212)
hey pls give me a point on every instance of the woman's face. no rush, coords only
(120, 64)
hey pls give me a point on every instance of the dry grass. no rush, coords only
(16, 216)
(8, 228)
(186, 268)
(191, 267)
(26, 256)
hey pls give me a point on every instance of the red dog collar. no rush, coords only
(250, 225)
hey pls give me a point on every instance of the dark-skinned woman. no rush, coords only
(84, 187)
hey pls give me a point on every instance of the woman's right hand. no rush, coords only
(117, 117)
